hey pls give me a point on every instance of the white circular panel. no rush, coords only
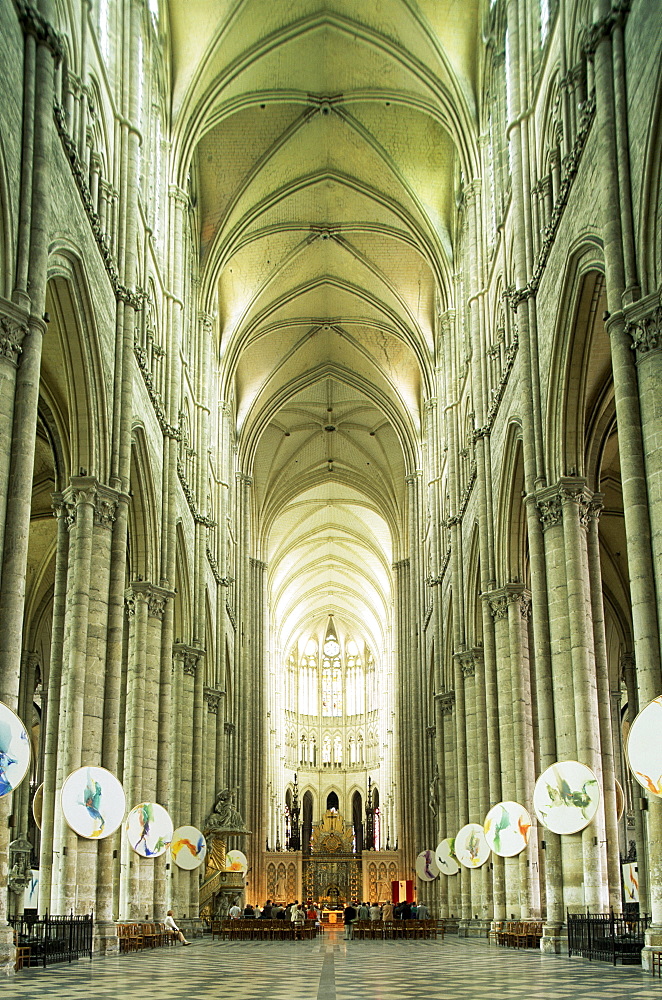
(507, 827)
(426, 866)
(566, 797)
(445, 857)
(645, 747)
(149, 829)
(93, 802)
(188, 847)
(236, 861)
(14, 750)
(471, 847)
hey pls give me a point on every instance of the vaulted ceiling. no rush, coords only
(326, 140)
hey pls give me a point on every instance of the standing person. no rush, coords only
(235, 911)
(375, 912)
(363, 912)
(278, 912)
(172, 926)
(349, 916)
(266, 911)
(249, 912)
(422, 912)
(387, 912)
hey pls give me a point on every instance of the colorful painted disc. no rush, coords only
(566, 797)
(507, 827)
(620, 800)
(445, 857)
(188, 847)
(149, 829)
(236, 861)
(644, 747)
(93, 802)
(38, 805)
(426, 866)
(471, 847)
(14, 750)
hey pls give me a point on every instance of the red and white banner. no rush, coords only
(402, 891)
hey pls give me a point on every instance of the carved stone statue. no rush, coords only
(224, 818)
(433, 801)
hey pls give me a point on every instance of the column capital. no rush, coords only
(643, 324)
(446, 701)
(155, 598)
(187, 656)
(12, 333)
(85, 489)
(212, 698)
(33, 23)
(497, 601)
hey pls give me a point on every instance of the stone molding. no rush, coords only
(229, 728)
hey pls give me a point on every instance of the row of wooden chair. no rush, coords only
(136, 937)
(516, 933)
(263, 930)
(405, 929)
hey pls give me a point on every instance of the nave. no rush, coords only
(330, 968)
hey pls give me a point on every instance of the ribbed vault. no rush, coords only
(326, 142)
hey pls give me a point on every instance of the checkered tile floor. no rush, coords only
(332, 969)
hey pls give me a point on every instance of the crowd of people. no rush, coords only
(387, 911)
(298, 913)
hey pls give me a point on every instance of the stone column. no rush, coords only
(13, 328)
(604, 43)
(51, 722)
(132, 905)
(75, 699)
(605, 702)
(42, 50)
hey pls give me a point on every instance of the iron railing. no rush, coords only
(607, 937)
(54, 939)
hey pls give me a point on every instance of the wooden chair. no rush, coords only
(388, 931)
(149, 936)
(494, 931)
(136, 937)
(21, 955)
(656, 962)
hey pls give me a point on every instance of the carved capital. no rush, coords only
(521, 599)
(33, 23)
(575, 492)
(212, 699)
(498, 604)
(11, 338)
(229, 728)
(646, 331)
(156, 605)
(446, 702)
(550, 511)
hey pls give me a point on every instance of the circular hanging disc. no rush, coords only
(93, 802)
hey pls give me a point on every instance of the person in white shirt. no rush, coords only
(172, 926)
(235, 912)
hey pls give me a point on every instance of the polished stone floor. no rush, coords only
(332, 969)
